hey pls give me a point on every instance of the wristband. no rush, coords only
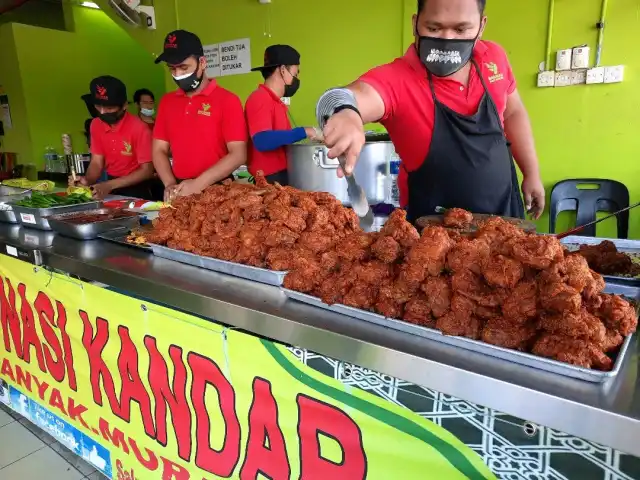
(331, 101)
(347, 107)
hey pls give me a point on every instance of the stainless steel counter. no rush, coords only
(608, 413)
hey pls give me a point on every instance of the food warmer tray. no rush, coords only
(262, 275)
(119, 236)
(10, 194)
(90, 231)
(573, 242)
(522, 358)
(39, 217)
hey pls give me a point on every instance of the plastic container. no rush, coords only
(394, 190)
(50, 159)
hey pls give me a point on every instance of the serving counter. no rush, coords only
(522, 422)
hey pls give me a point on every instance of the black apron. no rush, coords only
(469, 164)
(143, 190)
(282, 177)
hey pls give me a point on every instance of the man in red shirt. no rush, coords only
(201, 123)
(449, 105)
(146, 104)
(120, 144)
(268, 117)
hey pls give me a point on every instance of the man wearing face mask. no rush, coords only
(201, 123)
(146, 105)
(120, 144)
(268, 117)
(449, 104)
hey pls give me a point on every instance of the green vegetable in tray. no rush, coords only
(49, 200)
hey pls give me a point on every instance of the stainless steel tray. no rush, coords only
(10, 194)
(119, 236)
(573, 242)
(262, 275)
(522, 358)
(38, 217)
(90, 231)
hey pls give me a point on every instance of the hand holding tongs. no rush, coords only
(358, 198)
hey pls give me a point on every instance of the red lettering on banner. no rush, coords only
(41, 386)
(174, 397)
(266, 451)
(7, 371)
(55, 400)
(151, 463)
(23, 377)
(29, 335)
(76, 411)
(218, 462)
(94, 347)
(132, 387)
(115, 438)
(317, 418)
(173, 471)
(66, 346)
(9, 319)
(46, 314)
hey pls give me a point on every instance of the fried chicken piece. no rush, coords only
(522, 303)
(618, 314)
(396, 291)
(594, 287)
(457, 218)
(501, 271)
(399, 229)
(361, 296)
(304, 279)
(538, 251)
(355, 246)
(437, 292)
(468, 255)
(330, 261)
(557, 296)
(501, 332)
(279, 235)
(473, 287)
(386, 249)
(579, 324)
(318, 241)
(279, 259)
(486, 313)
(418, 311)
(461, 320)
(499, 234)
(373, 272)
(612, 340)
(571, 350)
(389, 309)
(427, 256)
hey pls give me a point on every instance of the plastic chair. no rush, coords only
(609, 196)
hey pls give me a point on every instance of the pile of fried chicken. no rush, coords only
(605, 258)
(502, 286)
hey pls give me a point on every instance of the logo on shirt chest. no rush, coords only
(204, 110)
(127, 149)
(495, 71)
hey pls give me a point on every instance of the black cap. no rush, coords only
(180, 45)
(277, 55)
(107, 91)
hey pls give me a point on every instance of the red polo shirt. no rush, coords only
(198, 128)
(265, 111)
(125, 146)
(409, 108)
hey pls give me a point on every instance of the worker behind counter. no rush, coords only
(447, 105)
(201, 123)
(145, 102)
(120, 144)
(267, 116)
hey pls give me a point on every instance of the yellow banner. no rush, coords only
(145, 392)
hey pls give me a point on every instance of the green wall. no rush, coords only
(55, 68)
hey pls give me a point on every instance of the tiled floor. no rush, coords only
(28, 453)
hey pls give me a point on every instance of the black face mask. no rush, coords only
(443, 57)
(111, 118)
(189, 82)
(291, 89)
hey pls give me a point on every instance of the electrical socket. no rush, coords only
(563, 79)
(563, 59)
(546, 79)
(614, 74)
(595, 75)
(578, 77)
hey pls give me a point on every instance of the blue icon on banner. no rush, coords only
(96, 455)
(20, 403)
(63, 432)
(4, 393)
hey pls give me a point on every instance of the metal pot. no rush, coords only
(311, 169)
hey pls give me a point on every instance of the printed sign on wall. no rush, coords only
(228, 58)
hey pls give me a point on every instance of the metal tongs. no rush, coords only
(358, 198)
(581, 227)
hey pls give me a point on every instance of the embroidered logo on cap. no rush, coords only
(493, 68)
(205, 110)
(127, 149)
(101, 93)
(171, 42)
